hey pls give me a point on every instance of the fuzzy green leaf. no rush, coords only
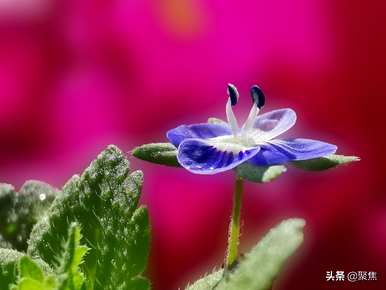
(258, 173)
(8, 267)
(32, 277)
(71, 276)
(14, 265)
(31, 284)
(28, 268)
(66, 277)
(160, 153)
(319, 164)
(19, 211)
(103, 201)
(258, 269)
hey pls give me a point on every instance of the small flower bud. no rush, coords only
(233, 94)
(257, 96)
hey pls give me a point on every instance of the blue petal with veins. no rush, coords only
(202, 157)
(281, 151)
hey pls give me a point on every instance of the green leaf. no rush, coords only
(14, 265)
(258, 173)
(74, 252)
(32, 277)
(28, 268)
(324, 163)
(66, 277)
(160, 153)
(258, 269)
(31, 284)
(8, 267)
(19, 211)
(103, 202)
(72, 278)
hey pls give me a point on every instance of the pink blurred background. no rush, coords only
(78, 75)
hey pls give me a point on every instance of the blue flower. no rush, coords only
(212, 148)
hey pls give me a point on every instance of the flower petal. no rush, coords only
(208, 157)
(279, 151)
(201, 131)
(272, 124)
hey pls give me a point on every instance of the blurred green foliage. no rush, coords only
(19, 211)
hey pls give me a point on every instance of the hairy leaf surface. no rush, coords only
(258, 269)
(103, 202)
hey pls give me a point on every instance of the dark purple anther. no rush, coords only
(257, 96)
(233, 94)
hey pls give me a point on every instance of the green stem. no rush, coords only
(234, 225)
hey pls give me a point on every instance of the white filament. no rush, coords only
(231, 118)
(251, 119)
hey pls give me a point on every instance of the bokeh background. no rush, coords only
(78, 75)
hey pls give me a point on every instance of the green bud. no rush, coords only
(323, 163)
(159, 153)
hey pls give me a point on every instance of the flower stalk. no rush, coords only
(234, 225)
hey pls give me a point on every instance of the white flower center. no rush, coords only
(231, 143)
(241, 139)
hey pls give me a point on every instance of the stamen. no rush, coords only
(258, 100)
(233, 94)
(251, 118)
(232, 100)
(232, 121)
(257, 96)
